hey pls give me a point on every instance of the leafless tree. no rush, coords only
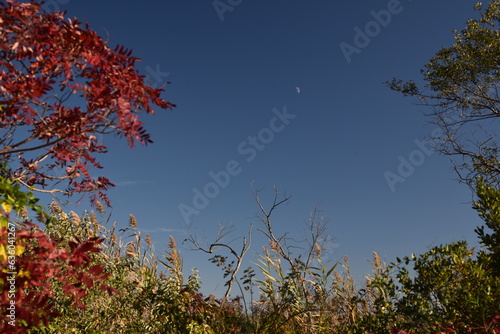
(231, 269)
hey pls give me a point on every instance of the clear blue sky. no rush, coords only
(348, 130)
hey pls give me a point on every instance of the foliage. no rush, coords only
(31, 261)
(488, 207)
(78, 275)
(450, 290)
(461, 87)
(152, 300)
(443, 290)
(60, 86)
(14, 199)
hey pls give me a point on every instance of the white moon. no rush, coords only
(297, 89)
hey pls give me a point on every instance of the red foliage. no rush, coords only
(493, 325)
(60, 85)
(42, 261)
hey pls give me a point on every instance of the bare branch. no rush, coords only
(232, 271)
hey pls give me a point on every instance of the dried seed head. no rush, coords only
(318, 249)
(100, 207)
(346, 259)
(24, 213)
(172, 244)
(41, 218)
(368, 280)
(130, 250)
(273, 245)
(55, 207)
(75, 218)
(93, 218)
(64, 216)
(376, 260)
(132, 222)
(113, 238)
(148, 240)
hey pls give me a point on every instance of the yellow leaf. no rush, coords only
(23, 273)
(6, 207)
(4, 222)
(3, 254)
(19, 250)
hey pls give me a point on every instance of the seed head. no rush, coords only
(376, 260)
(130, 250)
(318, 249)
(93, 218)
(24, 213)
(100, 207)
(41, 218)
(57, 209)
(132, 222)
(75, 218)
(172, 244)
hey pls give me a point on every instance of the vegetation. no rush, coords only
(450, 288)
(49, 67)
(77, 274)
(461, 89)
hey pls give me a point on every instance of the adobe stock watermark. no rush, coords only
(407, 166)
(329, 245)
(221, 7)
(247, 149)
(155, 77)
(363, 37)
(12, 274)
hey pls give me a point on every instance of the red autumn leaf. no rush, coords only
(46, 261)
(96, 270)
(44, 56)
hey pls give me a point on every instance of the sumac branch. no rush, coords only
(61, 86)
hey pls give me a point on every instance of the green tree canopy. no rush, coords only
(462, 89)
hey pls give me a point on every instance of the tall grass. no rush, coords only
(446, 289)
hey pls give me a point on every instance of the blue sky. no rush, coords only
(231, 77)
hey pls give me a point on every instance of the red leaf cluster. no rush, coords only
(43, 261)
(493, 325)
(60, 85)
